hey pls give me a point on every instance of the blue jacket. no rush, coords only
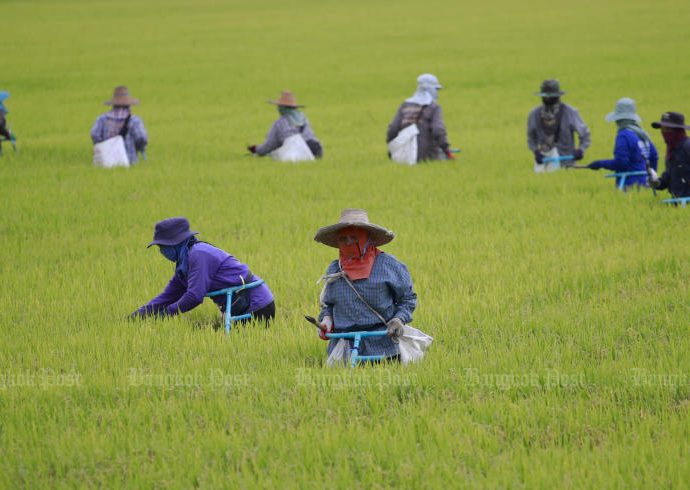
(629, 156)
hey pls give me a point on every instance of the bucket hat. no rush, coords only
(378, 235)
(625, 109)
(671, 120)
(4, 95)
(428, 80)
(121, 97)
(550, 88)
(171, 231)
(287, 99)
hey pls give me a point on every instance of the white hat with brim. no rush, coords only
(378, 235)
(625, 109)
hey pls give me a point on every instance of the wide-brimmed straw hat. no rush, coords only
(378, 235)
(671, 120)
(171, 231)
(287, 99)
(121, 97)
(550, 88)
(625, 109)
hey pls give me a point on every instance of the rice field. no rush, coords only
(559, 305)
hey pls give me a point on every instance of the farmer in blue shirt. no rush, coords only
(634, 150)
(365, 288)
(199, 269)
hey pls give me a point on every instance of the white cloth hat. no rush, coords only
(625, 109)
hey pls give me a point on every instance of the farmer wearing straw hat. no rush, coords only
(291, 122)
(4, 130)
(199, 269)
(634, 150)
(112, 123)
(423, 110)
(551, 127)
(676, 177)
(364, 285)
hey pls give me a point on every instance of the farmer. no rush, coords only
(291, 122)
(199, 269)
(423, 110)
(386, 297)
(5, 132)
(676, 177)
(634, 150)
(120, 120)
(551, 127)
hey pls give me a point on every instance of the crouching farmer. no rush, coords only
(199, 269)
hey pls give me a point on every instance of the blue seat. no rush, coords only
(623, 176)
(229, 318)
(683, 201)
(355, 358)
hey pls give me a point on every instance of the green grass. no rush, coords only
(559, 306)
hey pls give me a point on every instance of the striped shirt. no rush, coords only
(109, 125)
(388, 290)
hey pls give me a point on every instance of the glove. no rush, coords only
(538, 157)
(326, 326)
(593, 166)
(654, 180)
(395, 328)
(449, 154)
(252, 148)
(578, 154)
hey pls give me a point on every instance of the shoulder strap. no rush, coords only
(123, 131)
(349, 283)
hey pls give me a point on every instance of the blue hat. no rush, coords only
(4, 95)
(171, 231)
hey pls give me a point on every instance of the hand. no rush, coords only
(538, 157)
(326, 326)
(578, 154)
(449, 154)
(252, 148)
(593, 166)
(653, 178)
(395, 328)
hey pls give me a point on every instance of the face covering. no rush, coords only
(357, 256)
(549, 101)
(168, 252)
(673, 139)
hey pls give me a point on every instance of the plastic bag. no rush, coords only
(294, 149)
(340, 354)
(110, 153)
(413, 344)
(403, 147)
(548, 166)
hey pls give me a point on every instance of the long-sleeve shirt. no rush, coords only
(280, 131)
(388, 290)
(676, 177)
(630, 154)
(432, 140)
(108, 125)
(570, 123)
(210, 269)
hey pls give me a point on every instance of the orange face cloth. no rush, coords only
(356, 258)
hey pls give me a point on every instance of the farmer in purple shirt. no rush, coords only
(199, 269)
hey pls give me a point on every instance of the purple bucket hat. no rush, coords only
(171, 231)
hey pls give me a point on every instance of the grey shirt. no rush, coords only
(570, 123)
(280, 131)
(431, 140)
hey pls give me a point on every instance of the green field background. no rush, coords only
(559, 305)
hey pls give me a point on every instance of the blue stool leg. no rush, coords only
(354, 354)
(228, 312)
(621, 183)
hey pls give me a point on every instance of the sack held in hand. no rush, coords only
(112, 152)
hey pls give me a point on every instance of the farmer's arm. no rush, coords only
(403, 292)
(157, 306)
(394, 126)
(198, 283)
(274, 139)
(582, 130)
(328, 299)
(438, 128)
(138, 132)
(3, 127)
(622, 156)
(532, 136)
(653, 157)
(97, 130)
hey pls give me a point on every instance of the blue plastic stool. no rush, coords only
(623, 176)
(683, 201)
(228, 305)
(357, 337)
